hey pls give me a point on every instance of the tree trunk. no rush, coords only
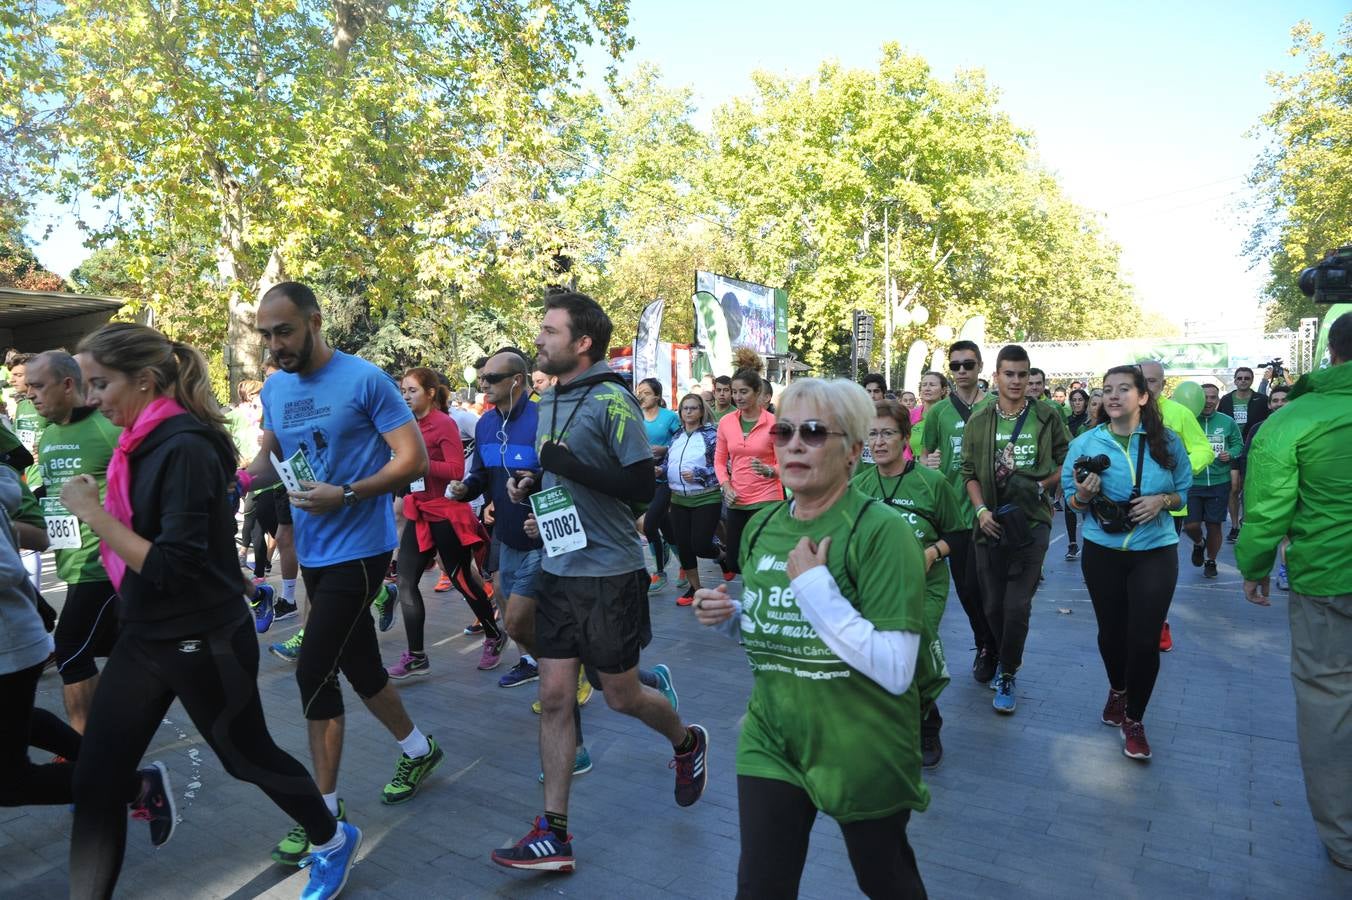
(243, 349)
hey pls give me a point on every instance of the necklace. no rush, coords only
(1010, 417)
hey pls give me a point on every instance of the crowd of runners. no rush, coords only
(836, 516)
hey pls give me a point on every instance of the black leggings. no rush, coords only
(736, 524)
(1131, 591)
(214, 675)
(962, 566)
(87, 629)
(1070, 524)
(776, 821)
(21, 782)
(657, 526)
(340, 635)
(456, 559)
(695, 528)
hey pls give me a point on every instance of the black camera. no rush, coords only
(1277, 365)
(1331, 280)
(1087, 464)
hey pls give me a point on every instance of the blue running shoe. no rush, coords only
(540, 850)
(582, 764)
(522, 673)
(663, 675)
(1004, 701)
(262, 608)
(329, 871)
(289, 649)
(384, 602)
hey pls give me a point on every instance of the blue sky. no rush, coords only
(1140, 108)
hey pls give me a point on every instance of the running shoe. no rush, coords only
(663, 675)
(1209, 570)
(262, 608)
(443, 584)
(995, 679)
(491, 656)
(540, 850)
(475, 628)
(260, 580)
(691, 771)
(1004, 701)
(289, 649)
(1072, 552)
(1229, 539)
(1166, 639)
(1283, 582)
(155, 806)
(687, 597)
(1115, 710)
(1136, 747)
(409, 666)
(293, 848)
(985, 665)
(522, 673)
(682, 582)
(384, 602)
(658, 582)
(283, 609)
(728, 574)
(582, 764)
(329, 871)
(931, 750)
(1198, 554)
(584, 687)
(410, 773)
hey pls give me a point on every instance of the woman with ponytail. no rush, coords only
(167, 542)
(437, 525)
(1130, 558)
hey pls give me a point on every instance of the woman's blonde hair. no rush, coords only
(705, 413)
(179, 370)
(840, 398)
(248, 390)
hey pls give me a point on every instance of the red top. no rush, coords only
(445, 452)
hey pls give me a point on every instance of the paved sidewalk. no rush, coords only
(1040, 804)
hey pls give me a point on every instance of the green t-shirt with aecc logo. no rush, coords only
(82, 446)
(942, 430)
(28, 425)
(812, 720)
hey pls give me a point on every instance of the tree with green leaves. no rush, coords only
(1303, 178)
(382, 145)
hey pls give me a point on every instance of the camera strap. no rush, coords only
(1140, 465)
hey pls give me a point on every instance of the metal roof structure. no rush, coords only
(22, 308)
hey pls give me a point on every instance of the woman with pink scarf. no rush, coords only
(167, 542)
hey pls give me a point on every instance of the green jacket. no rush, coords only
(978, 460)
(1299, 485)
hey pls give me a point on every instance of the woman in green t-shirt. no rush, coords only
(831, 613)
(927, 501)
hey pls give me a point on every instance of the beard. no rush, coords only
(557, 363)
(302, 359)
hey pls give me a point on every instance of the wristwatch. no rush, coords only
(349, 496)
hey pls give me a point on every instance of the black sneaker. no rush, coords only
(1232, 536)
(1072, 552)
(1198, 554)
(155, 806)
(540, 850)
(1209, 570)
(983, 667)
(691, 774)
(283, 609)
(931, 750)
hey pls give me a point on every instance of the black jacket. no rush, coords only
(1257, 406)
(180, 499)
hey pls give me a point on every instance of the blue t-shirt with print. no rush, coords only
(663, 428)
(337, 416)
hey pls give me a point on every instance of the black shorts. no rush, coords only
(86, 628)
(272, 509)
(602, 621)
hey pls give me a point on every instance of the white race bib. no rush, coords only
(1218, 446)
(560, 524)
(867, 456)
(417, 487)
(29, 438)
(63, 529)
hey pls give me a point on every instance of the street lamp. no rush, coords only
(887, 295)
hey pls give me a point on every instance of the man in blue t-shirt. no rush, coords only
(342, 427)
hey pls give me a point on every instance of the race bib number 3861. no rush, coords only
(63, 529)
(560, 526)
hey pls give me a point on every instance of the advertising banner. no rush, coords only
(756, 315)
(645, 342)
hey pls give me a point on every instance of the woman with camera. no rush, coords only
(1124, 477)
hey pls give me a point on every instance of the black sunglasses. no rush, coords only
(968, 364)
(493, 377)
(812, 432)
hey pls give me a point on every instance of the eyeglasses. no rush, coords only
(493, 377)
(812, 432)
(885, 434)
(962, 364)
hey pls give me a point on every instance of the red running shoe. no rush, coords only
(1137, 747)
(443, 584)
(1166, 639)
(1115, 710)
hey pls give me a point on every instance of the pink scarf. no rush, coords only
(118, 498)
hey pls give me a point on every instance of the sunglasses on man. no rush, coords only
(961, 364)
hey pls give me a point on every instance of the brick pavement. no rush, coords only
(1040, 804)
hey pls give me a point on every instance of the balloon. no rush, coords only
(1189, 393)
(943, 332)
(920, 315)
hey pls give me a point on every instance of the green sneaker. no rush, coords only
(384, 603)
(289, 649)
(296, 845)
(409, 774)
